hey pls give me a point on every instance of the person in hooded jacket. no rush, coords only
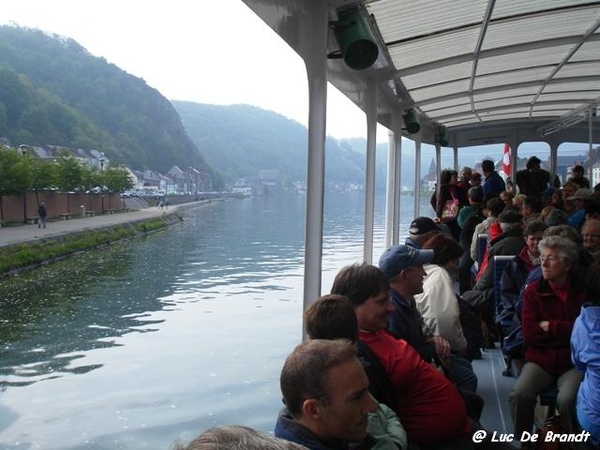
(585, 353)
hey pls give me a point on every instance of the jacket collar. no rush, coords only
(287, 428)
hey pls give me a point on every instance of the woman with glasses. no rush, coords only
(550, 307)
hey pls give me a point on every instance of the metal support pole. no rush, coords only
(316, 68)
(591, 158)
(398, 192)
(371, 107)
(417, 206)
(390, 189)
(455, 150)
(438, 170)
(393, 190)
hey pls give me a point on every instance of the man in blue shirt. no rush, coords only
(493, 184)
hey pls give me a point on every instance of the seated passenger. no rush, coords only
(429, 406)
(518, 201)
(585, 348)
(578, 177)
(333, 317)
(584, 261)
(514, 275)
(556, 217)
(568, 190)
(493, 208)
(228, 437)
(550, 307)
(326, 393)
(582, 199)
(591, 237)
(421, 229)
(531, 209)
(468, 219)
(546, 210)
(406, 280)
(512, 283)
(510, 242)
(437, 303)
(507, 198)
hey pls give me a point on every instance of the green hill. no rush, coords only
(240, 140)
(52, 91)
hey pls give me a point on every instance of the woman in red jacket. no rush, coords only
(550, 307)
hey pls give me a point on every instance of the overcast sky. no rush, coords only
(216, 52)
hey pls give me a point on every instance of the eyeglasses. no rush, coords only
(550, 259)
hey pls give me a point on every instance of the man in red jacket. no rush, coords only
(427, 403)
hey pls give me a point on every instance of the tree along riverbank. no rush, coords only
(27, 255)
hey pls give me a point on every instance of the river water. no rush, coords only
(138, 344)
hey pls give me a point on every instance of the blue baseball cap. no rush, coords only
(400, 257)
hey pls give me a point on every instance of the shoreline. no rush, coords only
(26, 247)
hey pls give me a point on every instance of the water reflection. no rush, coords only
(138, 343)
(54, 314)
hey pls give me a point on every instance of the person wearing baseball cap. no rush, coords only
(419, 230)
(582, 199)
(403, 265)
(401, 257)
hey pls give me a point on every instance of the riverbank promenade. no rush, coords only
(29, 233)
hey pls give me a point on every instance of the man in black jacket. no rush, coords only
(405, 272)
(533, 180)
(42, 213)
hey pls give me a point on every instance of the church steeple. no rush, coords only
(432, 167)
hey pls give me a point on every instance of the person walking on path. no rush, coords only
(42, 213)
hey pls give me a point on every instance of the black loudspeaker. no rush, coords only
(359, 49)
(411, 122)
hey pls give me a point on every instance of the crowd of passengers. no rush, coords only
(388, 361)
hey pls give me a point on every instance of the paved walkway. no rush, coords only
(26, 233)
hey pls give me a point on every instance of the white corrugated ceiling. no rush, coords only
(466, 62)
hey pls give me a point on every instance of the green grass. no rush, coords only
(23, 255)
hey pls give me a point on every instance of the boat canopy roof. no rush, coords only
(476, 72)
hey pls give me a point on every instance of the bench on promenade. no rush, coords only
(109, 211)
(32, 220)
(66, 216)
(90, 213)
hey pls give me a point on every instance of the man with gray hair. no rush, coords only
(464, 177)
(591, 237)
(326, 393)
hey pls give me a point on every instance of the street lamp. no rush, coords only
(102, 181)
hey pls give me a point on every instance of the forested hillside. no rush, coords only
(240, 140)
(52, 91)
